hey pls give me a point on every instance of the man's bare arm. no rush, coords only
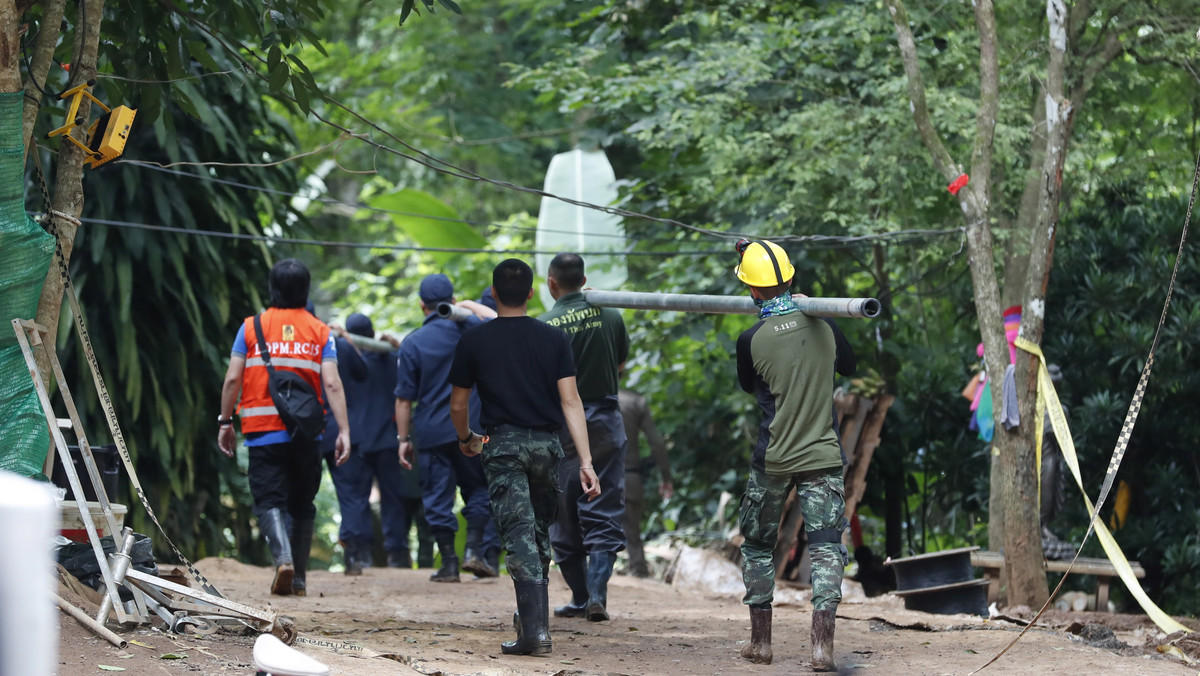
(572, 408)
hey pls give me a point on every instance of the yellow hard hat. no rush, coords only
(764, 264)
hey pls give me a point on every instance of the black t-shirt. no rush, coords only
(515, 364)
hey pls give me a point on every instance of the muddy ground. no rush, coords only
(656, 628)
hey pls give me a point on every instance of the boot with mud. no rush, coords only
(449, 570)
(822, 640)
(301, 540)
(574, 572)
(473, 560)
(600, 568)
(758, 650)
(531, 620)
(274, 529)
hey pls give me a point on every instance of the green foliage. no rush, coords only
(779, 120)
(1114, 262)
(428, 222)
(162, 308)
(409, 6)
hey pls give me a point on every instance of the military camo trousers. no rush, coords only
(522, 475)
(821, 494)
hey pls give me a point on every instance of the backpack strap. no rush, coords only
(262, 344)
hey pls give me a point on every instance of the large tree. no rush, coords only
(1081, 41)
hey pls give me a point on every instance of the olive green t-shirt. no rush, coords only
(598, 339)
(788, 363)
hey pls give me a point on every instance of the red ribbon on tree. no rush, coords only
(958, 184)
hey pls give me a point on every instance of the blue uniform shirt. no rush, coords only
(372, 410)
(423, 377)
(351, 369)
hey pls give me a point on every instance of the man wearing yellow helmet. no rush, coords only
(787, 360)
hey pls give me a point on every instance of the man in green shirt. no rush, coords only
(787, 360)
(588, 533)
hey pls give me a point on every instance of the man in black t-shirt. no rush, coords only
(524, 373)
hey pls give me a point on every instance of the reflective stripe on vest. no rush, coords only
(286, 361)
(296, 340)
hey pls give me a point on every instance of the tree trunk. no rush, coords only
(1016, 263)
(39, 65)
(1020, 468)
(68, 183)
(975, 200)
(10, 47)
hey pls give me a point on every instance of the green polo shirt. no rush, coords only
(598, 339)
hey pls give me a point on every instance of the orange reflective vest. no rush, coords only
(296, 340)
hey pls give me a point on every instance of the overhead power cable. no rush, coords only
(817, 241)
(154, 166)
(444, 167)
(421, 157)
(369, 245)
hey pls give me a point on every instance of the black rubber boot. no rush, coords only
(449, 570)
(822, 640)
(425, 553)
(532, 620)
(758, 650)
(424, 543)
(274, 529)
(302, 536)
(600, 567)
(400, 559)
(473, 560)
(574, 572)
(353, 553)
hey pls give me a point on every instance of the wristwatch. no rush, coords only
(224, 422)
(470, 435)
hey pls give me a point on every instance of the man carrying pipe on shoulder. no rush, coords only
(423, 379)
(787, 360)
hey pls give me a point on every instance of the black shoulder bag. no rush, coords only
(297, 403)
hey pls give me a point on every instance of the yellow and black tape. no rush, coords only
(1047, 401)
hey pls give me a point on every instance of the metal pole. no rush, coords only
(730, 305)
(120, 565)
(369, 344)
(453, 312)
(96, 628)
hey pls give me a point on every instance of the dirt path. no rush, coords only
(656, 629)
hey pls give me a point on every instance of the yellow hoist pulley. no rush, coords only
(106, 136)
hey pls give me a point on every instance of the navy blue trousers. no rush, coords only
(398, 511)
(584, 526)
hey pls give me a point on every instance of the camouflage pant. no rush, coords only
(822, 502)
(522, 475)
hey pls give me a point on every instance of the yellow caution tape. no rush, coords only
(1047, 400)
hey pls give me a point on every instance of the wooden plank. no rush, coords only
(868, 441)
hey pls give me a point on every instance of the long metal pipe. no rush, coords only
(369, 344)
(729, 305)
(95, 627)
(453, 312)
